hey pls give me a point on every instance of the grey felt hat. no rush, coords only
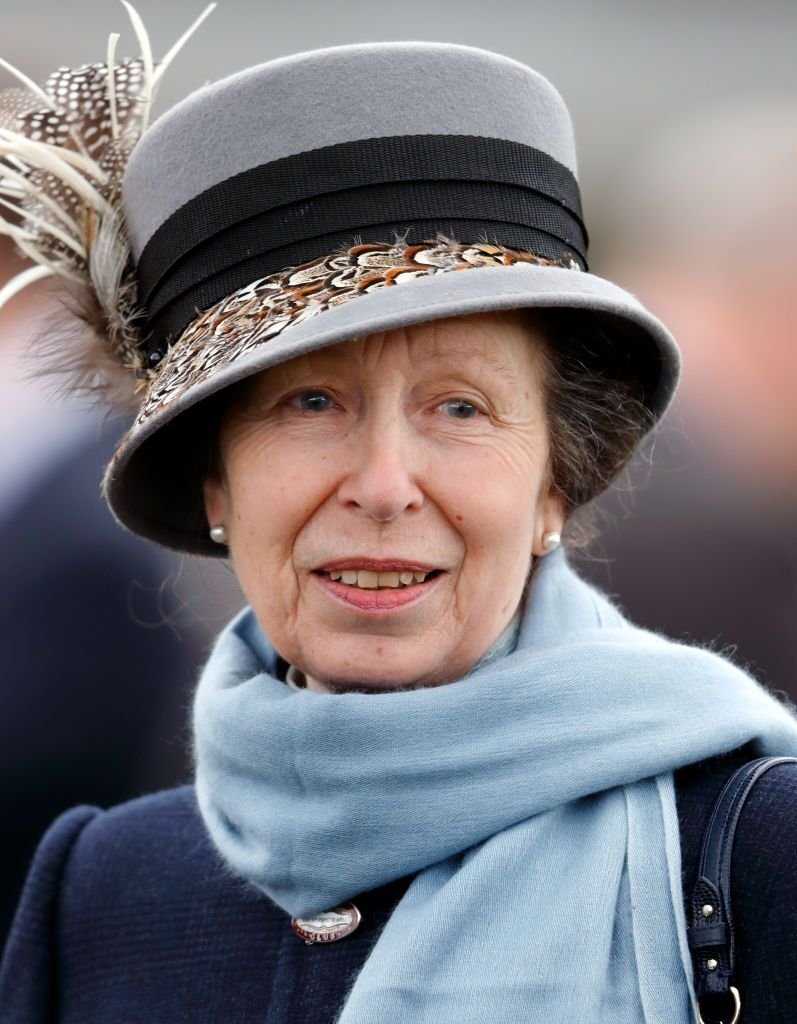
(332, 194)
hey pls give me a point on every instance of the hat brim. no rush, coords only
(151, 485)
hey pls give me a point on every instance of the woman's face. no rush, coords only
(350, 472)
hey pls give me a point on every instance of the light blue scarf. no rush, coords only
(534, 797)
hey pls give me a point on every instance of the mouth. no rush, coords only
(371, 586)
(384, 579)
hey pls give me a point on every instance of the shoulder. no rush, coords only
(130, 828)
(769, 814)
(141, 857)
(85, 837)
(764, 897)
(27, 975)
(763, 879)
(111, 895)
(763, 876)
(88, 843)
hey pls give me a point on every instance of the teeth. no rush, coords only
(370, 580)
(367, 579)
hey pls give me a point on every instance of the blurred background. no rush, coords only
(686, 123)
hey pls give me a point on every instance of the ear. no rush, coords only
(217, 501)
(551, 517)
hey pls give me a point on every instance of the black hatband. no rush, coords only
(296, 209)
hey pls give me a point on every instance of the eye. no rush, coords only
(311, 401)
(460, 408)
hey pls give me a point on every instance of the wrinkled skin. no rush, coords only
(427, 443)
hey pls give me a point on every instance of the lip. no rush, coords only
(377, 602)
(376, 565)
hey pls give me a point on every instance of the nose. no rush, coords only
(385, 465)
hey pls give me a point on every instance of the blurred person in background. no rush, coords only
(706, 234)
(80, 721)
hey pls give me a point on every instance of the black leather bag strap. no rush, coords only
(710, 931)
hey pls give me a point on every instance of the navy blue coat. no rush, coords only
(129, 917)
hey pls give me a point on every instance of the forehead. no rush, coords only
(505, 344)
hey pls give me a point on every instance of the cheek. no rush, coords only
(488, 493)
(274, 492)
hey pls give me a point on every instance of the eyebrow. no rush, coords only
(491, 358)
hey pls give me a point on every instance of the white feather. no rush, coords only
(30, 189)
(16, 284)
(146, 57)
(15, 232)
(51, 229)
(78, 161)
(69, 156)
(172, 53)
(113, 39)
(107, 260)
(40, 155)
(98, 346)
(28, 247)
(29, 84)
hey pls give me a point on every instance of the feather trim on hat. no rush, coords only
(63, 152)
(260, 311)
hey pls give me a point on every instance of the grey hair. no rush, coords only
(596, 384)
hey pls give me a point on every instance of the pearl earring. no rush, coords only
(551, 540)
(218, 534)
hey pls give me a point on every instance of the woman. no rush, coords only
(438, 776)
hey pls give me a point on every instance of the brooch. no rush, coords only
(329, 925)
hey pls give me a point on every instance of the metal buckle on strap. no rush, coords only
(737, 1009)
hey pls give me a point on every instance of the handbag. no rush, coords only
(710, 933)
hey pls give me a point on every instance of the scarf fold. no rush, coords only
(534, 797)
